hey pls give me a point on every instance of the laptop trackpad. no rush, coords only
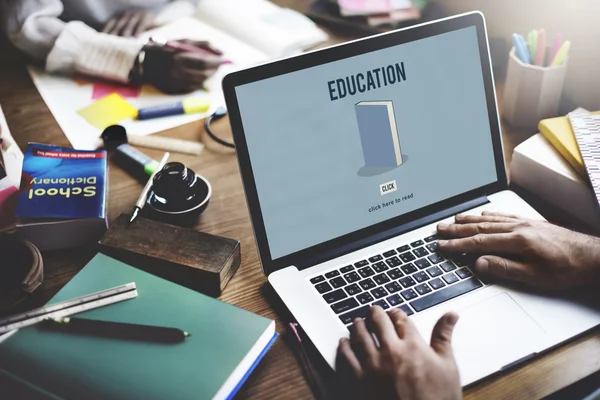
(491, 334)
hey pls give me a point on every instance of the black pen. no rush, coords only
(120, 330)
(2, 168)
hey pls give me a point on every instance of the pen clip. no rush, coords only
(306, 365)
(293, 326)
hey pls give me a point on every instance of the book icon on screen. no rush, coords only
(378, 133)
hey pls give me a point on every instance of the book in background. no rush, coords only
(538, 167)
(559, 132)
(362, 17)
(381, 12)
(64, 202)
(225, 345)
(350, 8)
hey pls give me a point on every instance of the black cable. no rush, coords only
(218, 114)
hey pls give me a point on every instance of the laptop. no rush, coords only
(351, 155)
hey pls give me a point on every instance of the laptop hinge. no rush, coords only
(381, 236)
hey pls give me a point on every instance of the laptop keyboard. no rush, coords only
(413, 277)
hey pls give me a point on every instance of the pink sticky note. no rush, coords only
(102, 89)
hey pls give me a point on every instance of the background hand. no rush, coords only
(176, 71)
(403, 366)
(533, 252)
(128, 23)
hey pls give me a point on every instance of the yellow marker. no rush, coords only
(194, 106)
(561, 54)
(187, 106)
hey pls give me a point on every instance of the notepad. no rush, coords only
(224, 345)
(109, 110)
(587, 134)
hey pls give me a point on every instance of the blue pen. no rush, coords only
(520, 48)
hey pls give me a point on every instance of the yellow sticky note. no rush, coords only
(109, 110)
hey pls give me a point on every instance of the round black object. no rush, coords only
(113, 136)
(177, 196)
(21, 269)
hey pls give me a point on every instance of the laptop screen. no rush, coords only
(341, 146)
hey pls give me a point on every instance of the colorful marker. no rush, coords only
(561, 54)
(540, 48)
(555, 47)
(134, 160)
(532, 39)
(187, 106)
(520, 48)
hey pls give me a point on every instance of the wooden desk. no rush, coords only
(278, 375)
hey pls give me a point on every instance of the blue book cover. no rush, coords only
(63, 183)
(378, 133)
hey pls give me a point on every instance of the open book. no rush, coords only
(274, 30)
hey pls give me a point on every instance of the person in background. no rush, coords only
(95, 38)
(402, 365)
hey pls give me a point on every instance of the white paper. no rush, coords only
(64, 96)
(349, 8)
(12, 156)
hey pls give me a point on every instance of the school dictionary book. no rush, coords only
(225, 345)
(64, 202)
(378, 133)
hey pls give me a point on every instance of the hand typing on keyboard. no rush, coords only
(533, 252)
(402, 365)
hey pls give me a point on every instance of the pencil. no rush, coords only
(142, 199)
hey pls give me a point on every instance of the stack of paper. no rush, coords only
(587, 132)
(379, 12)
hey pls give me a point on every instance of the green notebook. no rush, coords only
(225, 344)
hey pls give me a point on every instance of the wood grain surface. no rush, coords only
(279, 374)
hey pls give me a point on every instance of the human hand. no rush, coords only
(128, 23)
(403, 366)
(174, 70)
(532, 252)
